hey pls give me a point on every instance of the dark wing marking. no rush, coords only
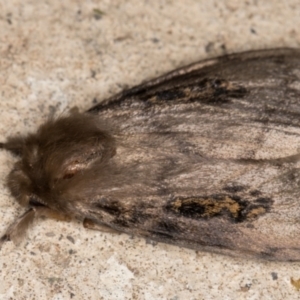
(214, 148)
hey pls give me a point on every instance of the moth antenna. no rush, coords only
(4, 146)
(14, 145)
(17, 230)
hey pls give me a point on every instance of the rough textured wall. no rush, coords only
(59, 54)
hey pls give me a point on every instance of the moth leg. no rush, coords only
(50, 213)
(90, 224)
(16, 231)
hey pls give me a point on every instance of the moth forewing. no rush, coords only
(205, 156)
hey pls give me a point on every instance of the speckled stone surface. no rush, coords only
(59, 54)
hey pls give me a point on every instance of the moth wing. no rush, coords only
(208, 156)
(236, 67)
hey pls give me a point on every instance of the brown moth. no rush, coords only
(206, 157)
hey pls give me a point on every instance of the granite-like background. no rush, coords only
(58, 54)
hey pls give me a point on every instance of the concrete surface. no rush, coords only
(59, 54)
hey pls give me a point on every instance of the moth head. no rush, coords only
(54, 155)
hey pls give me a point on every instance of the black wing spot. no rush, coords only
(167, 226)
(170, 95)
(111, 207)
(255, 193)
(231, 207)
(234, 188)
(207, 90)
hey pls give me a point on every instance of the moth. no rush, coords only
(206, 157)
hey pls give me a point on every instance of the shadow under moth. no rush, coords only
(205, 157)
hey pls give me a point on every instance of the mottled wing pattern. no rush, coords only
(208, 156)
